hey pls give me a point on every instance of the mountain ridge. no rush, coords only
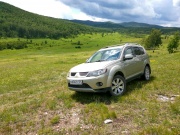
(115, 25)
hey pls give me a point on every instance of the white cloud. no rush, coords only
(50, 8)
(82, 16)
(176, 3)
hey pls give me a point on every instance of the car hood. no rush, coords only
(86, 67)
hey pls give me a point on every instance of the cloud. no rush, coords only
(114, 9)
(176, 3)
(154, 11)
(169, 13)
(50, 8)
(160, 12)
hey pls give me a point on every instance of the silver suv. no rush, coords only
(109, 69)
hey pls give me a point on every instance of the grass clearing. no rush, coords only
(34, 98)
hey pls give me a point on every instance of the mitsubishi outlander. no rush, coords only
(110, 68)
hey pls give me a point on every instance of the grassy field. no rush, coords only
(34, 98)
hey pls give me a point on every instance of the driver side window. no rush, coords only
(128, 51)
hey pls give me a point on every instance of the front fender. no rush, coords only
(112, 72)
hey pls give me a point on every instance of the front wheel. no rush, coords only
(146, 75)
(118, 86)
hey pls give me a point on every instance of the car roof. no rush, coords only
(120, 46)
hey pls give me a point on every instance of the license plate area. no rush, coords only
(76, 82)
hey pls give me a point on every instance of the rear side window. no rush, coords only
(142, 50)
(138, 50)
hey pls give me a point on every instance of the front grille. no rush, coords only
(84, 85)
(80, 73)
(73, 73)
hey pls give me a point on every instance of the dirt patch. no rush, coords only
(164, 98)
(69, 121)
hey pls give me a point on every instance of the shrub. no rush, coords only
(13, 45)
(173, 43)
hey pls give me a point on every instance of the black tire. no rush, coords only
(118, 86)
(147, 72)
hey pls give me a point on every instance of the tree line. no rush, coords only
(13, 45)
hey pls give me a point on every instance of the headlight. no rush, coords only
(97, 72)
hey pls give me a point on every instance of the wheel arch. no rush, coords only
(119, 73)
(112, 75)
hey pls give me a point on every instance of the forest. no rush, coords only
(16, 22)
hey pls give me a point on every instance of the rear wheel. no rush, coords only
(118, 86)
(146, 75)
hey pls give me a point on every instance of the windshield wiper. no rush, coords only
(95, 61)
(99, 60)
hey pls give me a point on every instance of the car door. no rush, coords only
(139, 59)
(130, 65)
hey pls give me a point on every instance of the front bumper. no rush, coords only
(90, 84)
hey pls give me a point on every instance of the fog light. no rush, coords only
(99, 84)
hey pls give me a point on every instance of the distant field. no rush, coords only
(84, 41)
(34, 98)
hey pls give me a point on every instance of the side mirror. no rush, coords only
(128, 57)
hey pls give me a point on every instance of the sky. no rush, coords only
(158, 12)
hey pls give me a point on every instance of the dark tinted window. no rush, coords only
(142, 50)
(138, 50)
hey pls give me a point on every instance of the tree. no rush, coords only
(173, 43)
(79, 43)
(154, 39)
(102, 34)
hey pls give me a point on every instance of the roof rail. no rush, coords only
(125, 43)
(130, 43)
(113, 45)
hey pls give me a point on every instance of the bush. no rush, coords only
(78, 47)
(153, 40)
(3, 46)
(173, 43)
(13, 45)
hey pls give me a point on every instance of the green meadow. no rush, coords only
(35, 99)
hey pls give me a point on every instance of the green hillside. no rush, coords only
(19, 23)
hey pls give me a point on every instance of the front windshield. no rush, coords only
(106, 55)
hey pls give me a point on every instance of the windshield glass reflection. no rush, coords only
(106, 55)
